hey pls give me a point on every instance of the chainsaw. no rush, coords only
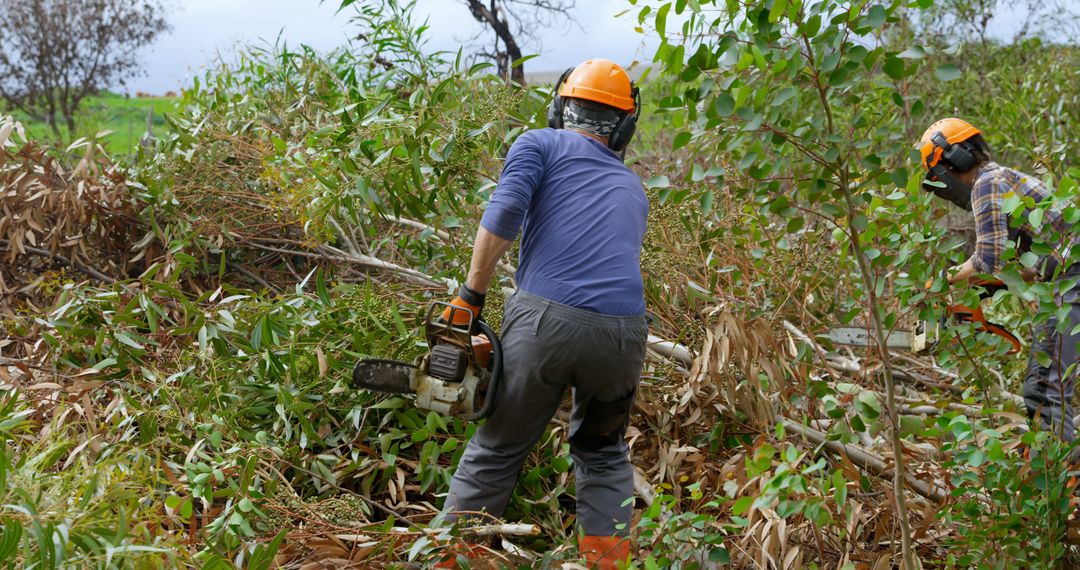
(924, 335)
(457, 376)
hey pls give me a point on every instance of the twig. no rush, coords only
(251, 275)
(69, 262)
(441, 235)
(345, 237)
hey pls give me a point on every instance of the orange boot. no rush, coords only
(604, 552)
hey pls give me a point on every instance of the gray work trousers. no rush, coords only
(547, 347)
(1048, 390)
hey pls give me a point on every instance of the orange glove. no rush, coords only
(469, 299)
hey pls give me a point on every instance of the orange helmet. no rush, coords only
(602, 81)
(954, 130)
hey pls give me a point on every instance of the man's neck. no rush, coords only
(597, 138)
(972, 175)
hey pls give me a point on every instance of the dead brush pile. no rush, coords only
(57, 224)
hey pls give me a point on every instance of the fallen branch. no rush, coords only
(671, 350)
(329, 253)
(864, 459)
(515, 529)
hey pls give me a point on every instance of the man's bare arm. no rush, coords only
(488, 249)
(961, 273)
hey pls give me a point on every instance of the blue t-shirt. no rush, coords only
(582, 213)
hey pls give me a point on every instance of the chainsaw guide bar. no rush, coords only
(917, 339)
(391, 376)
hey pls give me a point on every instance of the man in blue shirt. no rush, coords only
(578, 318)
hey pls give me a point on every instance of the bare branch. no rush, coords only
(515, 20)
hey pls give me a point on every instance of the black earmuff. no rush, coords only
(957, 155)
(555, 109)
(624, 129)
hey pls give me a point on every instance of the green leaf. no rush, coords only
(520, 61)
(913, 52)
(778, 7)
(661, 19)
(894, 67)
(1012, 203)
(875, 17)
(783, 95)
(742, 505)
(658, 182)
(719, 555)
(680, 140)
(724, 105)
(947, 72)
(126, 339)
(1035, 218)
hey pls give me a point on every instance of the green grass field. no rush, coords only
(124, 118)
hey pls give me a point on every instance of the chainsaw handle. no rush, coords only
(990, 286)
(496, 372)
(975, 315)
(443, 306)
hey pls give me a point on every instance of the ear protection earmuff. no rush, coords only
(957, 155)
(941, 181)
(624, 129)
(555, 109)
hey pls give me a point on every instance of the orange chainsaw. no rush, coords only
(457, 376)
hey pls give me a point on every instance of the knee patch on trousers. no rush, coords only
(604, 424)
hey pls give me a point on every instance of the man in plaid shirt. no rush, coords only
(959, 169)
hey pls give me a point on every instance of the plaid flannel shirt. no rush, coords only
(992, 232)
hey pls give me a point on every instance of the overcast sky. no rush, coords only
(202, 28)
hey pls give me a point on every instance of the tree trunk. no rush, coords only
(489, 15)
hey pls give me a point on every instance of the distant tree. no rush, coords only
(54, 53)
(514, 21)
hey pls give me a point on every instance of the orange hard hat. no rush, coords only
(602, 81)
(954, 130)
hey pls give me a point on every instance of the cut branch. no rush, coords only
(864, 459)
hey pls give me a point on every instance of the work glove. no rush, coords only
(466, 298)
